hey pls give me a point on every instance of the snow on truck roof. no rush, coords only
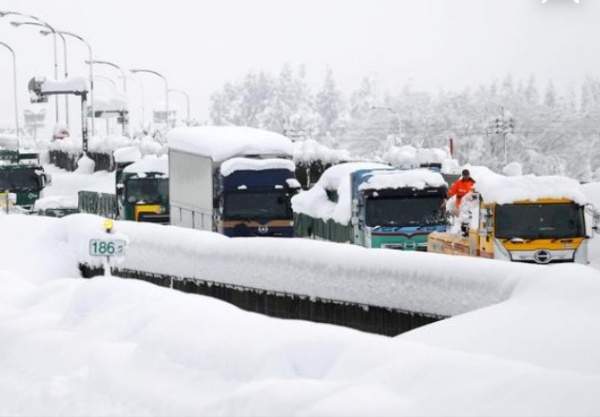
(254, 164)
(315, 203)
(415, 178)
(127, 154)
(224, 142)
(149, 163)
(496, 188)
(310, 150)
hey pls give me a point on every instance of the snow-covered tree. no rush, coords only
(330, 107)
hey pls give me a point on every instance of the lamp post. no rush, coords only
(62, 32)
(65, 63)
(166, 89)
(123, 75)
(124, 115)
(53, 31)
(187, 99)
(15, 91)
(113, 86)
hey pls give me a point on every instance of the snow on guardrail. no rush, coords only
(418, 282)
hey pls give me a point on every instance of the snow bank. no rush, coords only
(55, 202)
(114, 347)
(224, 142)
(418, 282)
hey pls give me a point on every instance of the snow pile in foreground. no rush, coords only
(116, 347)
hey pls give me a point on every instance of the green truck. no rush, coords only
(141, 192)
(22, 174)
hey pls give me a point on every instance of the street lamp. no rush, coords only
(124, 115)
(15, 91)
(62, 32)
(114, 66)
(65, 64)
(187, 99)
(113, 89)
(46, 24)
(166, 89)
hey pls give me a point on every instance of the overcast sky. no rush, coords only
(199, 45)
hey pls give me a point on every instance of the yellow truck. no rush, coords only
(529, 219)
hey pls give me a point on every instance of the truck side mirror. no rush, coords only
(591, 216)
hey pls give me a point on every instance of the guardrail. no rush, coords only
(375, 290)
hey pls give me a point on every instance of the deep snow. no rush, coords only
(108, 346)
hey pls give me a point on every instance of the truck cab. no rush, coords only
(553, 228)
(22, 174)
(144, 194)
(542, 231)
(397, 209)
(255, 202)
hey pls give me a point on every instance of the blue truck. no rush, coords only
(374, 206)
(237, 181)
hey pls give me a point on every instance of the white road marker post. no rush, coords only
(108, 247)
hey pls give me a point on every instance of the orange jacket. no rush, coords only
(461, 188)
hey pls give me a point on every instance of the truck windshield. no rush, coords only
(405, 211)
(148, 190)
(539, 221)
(19, 179)
(257, 205)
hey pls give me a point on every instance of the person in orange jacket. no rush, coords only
(461, 187)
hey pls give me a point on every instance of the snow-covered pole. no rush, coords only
(124, 76)
(15, 92)
(53, 31)
(89, 47)
(187, 100)
(84, 128)
(166, 89)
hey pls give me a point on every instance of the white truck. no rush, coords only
(234, 180)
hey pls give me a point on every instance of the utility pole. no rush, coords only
(504, 126)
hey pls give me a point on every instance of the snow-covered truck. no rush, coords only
(373, 205)
(234, 180)
(145, 190)
(141, 190)
(527, 218)
(21, 174)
